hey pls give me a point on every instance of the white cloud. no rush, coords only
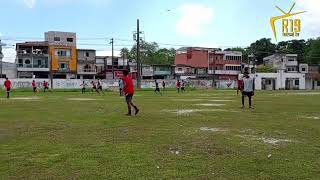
(9, 54)
(193, 19)
(30, 3)
(311, 19)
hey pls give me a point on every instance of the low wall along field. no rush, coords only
(75, 83)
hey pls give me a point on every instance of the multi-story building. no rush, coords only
(86, 65)
(286, 62)
(207, 63)
(33, 60)
(62, 53)
(225, 65)
(105, 66)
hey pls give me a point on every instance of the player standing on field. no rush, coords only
(178, 85)
(129, 91)
(7, 85)
(99, 87)
(248, 88)
(34, 86)
(83, 90)
(164, 85)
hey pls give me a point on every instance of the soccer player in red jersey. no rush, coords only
(34, 86)
(178, 86)
(128, 90)
(7, 85)
(46, 86)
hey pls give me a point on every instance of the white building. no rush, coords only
(280, 80)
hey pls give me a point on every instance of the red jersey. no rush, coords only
(34, 84)
(45, 84)
(7, 84)
(240, 84)
(178, 84)
(128, 85)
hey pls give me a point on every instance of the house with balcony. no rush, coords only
(225, 65)
(86, 64)
(208, 63)
(33, 59)
(63, 54)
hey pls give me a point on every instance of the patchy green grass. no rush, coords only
(53, 137)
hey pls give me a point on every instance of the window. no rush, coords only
(69, 39)
(303, 69)
(20, 61)
(296, 82)
(63, 65)
(56, 38)
(86, 54)
(66, 53)
(27, 61)
(318, 83)
(179, 69)
(290, 59)
(39, 62)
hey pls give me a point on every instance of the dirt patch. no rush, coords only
(26, 98)
(274, 141)
(83, 99)
(211, 105)
(315, 118)
(191, 111)
(221, 100)
(213, 129)
(187, 100)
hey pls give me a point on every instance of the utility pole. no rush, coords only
(112, 42)
(1, 56)
(138, 56)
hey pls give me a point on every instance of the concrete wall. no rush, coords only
(75, 83)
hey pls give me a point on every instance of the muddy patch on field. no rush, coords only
(83, 99)
(187, 112)
(187, 100)
(210, 105)
(220, 100)
(270, 141)
(26, 98)
(213, 129)
(314, 117)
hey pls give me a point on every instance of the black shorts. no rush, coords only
(129, 98)
(182, 88)
(46, 88)
(157, 89)
(8, 89)
(100, 88)
(249, 94)
(94, 87)
(34, 89)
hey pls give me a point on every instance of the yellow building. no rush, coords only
(63, 54)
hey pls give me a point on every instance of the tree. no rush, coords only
(125, 53)
(262, 48)
(150, 53)
(293, 47)
(265, 69)
(313, 52)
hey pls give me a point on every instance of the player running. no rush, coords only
(129, 91)
(84, 85)
(157, 90)
(248, 88)
(34, 86)
(94, 87)
(99, 87)
(45, 86)
(7, 85)
(182, 87)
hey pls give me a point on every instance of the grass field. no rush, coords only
(202, 134)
